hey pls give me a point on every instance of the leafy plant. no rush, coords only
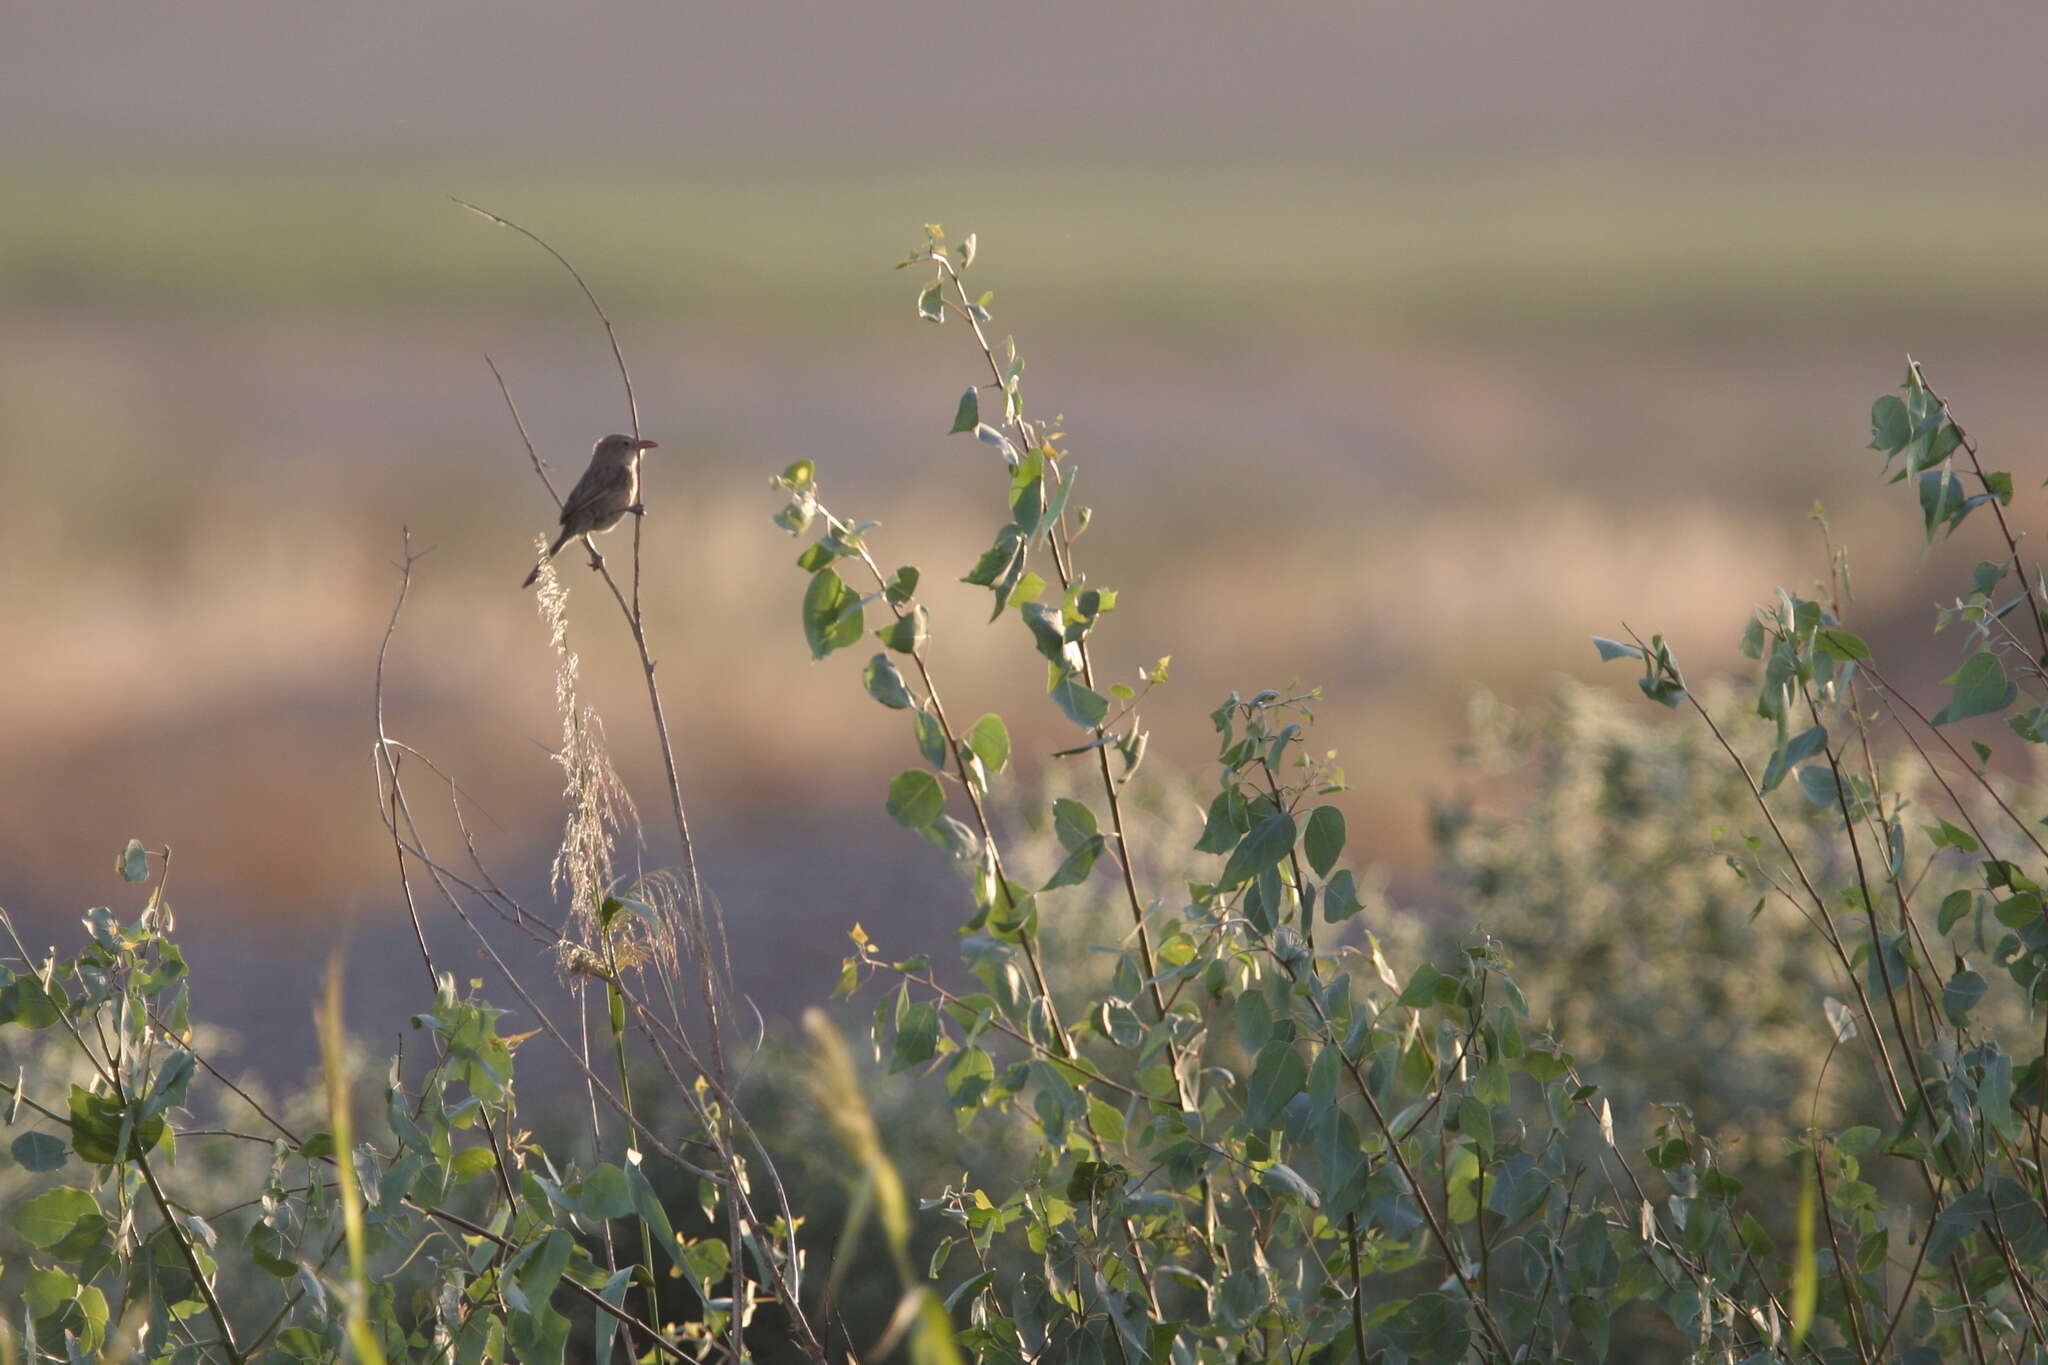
(1242, 1131)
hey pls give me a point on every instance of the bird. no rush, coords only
(608, 490)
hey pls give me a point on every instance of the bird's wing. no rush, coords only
(597, 486)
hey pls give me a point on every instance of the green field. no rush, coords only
(777, 242)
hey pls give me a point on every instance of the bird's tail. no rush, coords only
(553, 550)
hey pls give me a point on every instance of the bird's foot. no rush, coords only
(638, 509)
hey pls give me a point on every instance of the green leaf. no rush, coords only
(1795, 750)
(967, 416)
(915, 799)
(1947, 835)
(1047, 633)
(2030, 725)
(1431, 1329)
(1817, 780)
(605, 1193)
(990, 740)
(1073, 823)
(133, 864)
(931, 738)
(996, 559)
(1323, 840)
(901, 585)
(1954, 906)
(907, 633)
(1890, 426)
(471, 1162)
(1078, 864)
(917, 1036)
(2017, 912)
(1340, 898)
(1277, 1077)
(1943, 501)
(1083, 705)
(648, 1205)
(96, 1127)
(1105, 1120)
(40, 1151)
(962, 843)
(969, 1078)
(931, 304)
(543, 1271)
(1981, 688)
(59, 1304)
(832, 618)
(1611, 650)
(28, 1002)
(1269, 841)
(1228, 820)
(1284, 1179)
(884, 682)
(61, 1217)
(1844, 645)
(1961, 994)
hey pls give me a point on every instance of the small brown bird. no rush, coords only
(608, 490)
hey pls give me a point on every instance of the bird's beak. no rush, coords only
(646, 445)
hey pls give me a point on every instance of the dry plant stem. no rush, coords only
(1853, 1309)
(206, 1291)
(2028, 1294)
(635, 624)
(1905, 1301)
(698, 915)
(511, 978)
(441, 882)
(725, 1178)
(389, 760)
(1903, 700)
(547, 935)
(615, 1018)
(1357, 1295)
(596, 1121)
(1891, 990)
(1897, 882)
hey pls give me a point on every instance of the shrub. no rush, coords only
(1242, 1131)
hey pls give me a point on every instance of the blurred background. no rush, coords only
(1400, 349)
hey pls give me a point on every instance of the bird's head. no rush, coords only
(621, 448)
